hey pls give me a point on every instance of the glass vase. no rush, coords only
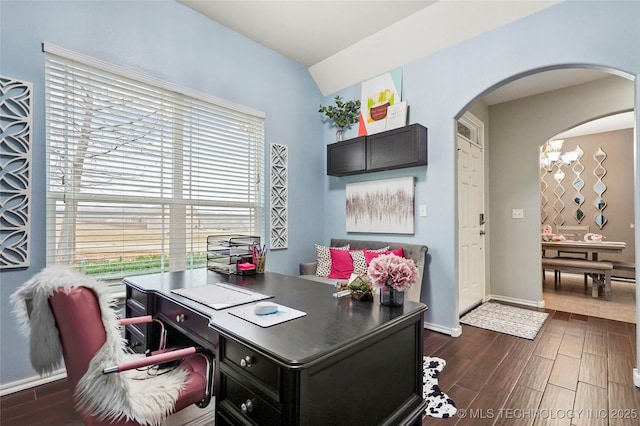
(389, 296)
(340, 134)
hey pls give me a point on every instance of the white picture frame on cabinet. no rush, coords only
(397, 115)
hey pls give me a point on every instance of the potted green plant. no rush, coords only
(342, 114)
(361, 288)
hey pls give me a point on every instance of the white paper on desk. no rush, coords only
(283, 314)
(220, 295)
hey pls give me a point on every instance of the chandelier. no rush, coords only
(551, 155)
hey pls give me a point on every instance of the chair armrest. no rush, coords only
(308, 268)
(151, 360)
(135, 320)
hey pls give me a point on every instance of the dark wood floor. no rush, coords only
(578, 366)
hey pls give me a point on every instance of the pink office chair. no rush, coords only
(82, 333)
(69, 316)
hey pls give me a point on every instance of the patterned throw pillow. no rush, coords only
(359, 262)
(324, 259)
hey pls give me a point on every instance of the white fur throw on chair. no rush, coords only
(132, 395)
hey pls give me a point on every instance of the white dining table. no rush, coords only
(592, 247)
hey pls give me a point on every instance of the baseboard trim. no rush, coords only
(453, 332)
(31, 382)
(524, 302)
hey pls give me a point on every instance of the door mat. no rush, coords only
(506, 319)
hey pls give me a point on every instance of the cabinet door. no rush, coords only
(394, 149)
(348, 157)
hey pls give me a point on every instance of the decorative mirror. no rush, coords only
(600, 204)
(599, 188)
(578, 184)
(543, 198)
(558, 189)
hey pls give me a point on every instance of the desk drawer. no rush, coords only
(136, 338)
(194, 324)
(247, 404)
(138, 296)
(258, 366)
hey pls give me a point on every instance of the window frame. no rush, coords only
(177, 225)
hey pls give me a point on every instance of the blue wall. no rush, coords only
(440, 87)
(169, 41)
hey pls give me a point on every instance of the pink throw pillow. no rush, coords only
(341, 264)
(324, 259)
(370, 255)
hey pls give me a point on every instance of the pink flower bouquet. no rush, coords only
(393, 271)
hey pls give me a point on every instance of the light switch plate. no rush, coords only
(423, 210)
(517, 214)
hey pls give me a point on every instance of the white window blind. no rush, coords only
(139, 175)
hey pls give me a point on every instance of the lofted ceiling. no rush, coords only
(335, 39)
(323, 35)
(306, 32)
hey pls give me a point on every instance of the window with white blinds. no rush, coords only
(141, 171)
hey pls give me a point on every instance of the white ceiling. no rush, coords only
(339, 41)
(542, 82)
(323, 35)
(610, 123)
(306, 32)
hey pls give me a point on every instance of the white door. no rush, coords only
(471, 257)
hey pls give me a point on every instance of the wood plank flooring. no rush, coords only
(577, 371)
(578, 366)
(570, 296)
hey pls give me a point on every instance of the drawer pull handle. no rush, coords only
(247, 407)
(246, 362)
(180, 318)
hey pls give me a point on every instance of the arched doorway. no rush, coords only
(516, 128)
(592, 193)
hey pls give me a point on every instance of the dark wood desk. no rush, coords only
(346, 361)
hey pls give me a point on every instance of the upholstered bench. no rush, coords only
(594, 268)
(417, 252)
(623, 266)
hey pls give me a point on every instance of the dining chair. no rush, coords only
(572, 233)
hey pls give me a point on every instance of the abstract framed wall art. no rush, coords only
(381, 206)
(15, 172)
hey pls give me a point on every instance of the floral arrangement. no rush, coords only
(392, 271)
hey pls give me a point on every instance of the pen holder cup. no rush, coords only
(260, 261)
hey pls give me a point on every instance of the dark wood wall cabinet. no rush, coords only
(393, 149)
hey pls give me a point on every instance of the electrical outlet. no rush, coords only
(423, 210)
(517, 214)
